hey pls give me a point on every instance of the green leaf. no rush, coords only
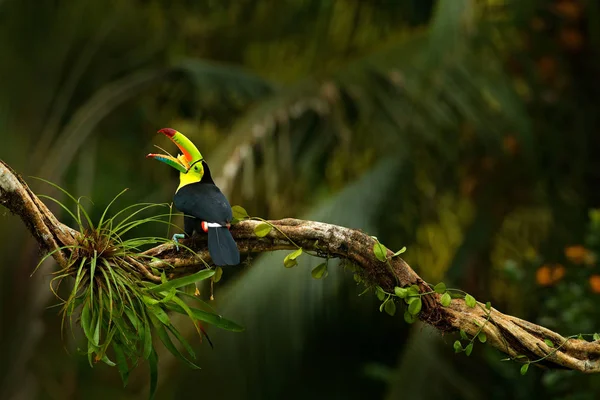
(166, 341)
(159, 314)
(168, 295)
(446, 299)
(320, 271)
(147, 338)
(463, 335)
(121, 363)
(415, 307)
(488, 306)
(86, 323)
(482, 337)
(524, 369)
(290, 260)
(153, 363)
(262, 229)
(409, 318)
(107, 361)
(413, 291)
(390, 307)
(379, 293)
(186, 280)
(182, 340)
(469, 349)
(548, 342)
(401, 292)
(380, 251)
(218, 274)
(210, 318)
(150, 300)
(470, 301)
(402, 250)
(440, 288)
(239, 212)
(457, 346)
(596, 336)
(97, 330)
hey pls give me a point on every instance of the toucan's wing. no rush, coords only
(203, 201)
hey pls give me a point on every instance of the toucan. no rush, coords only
(204, 206)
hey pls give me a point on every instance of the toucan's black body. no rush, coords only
(204, 201)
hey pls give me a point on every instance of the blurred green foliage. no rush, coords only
(464, 130)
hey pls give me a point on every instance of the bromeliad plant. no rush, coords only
(120, 304)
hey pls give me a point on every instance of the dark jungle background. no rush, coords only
(465, 130)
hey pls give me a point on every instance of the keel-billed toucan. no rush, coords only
(205, 207)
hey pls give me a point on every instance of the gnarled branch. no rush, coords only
(508, 334)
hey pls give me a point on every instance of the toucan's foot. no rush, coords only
(176, 238)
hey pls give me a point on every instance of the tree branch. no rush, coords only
(511, 335)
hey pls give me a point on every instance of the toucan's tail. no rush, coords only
(221, 246)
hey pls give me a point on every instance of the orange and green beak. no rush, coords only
(183, 161)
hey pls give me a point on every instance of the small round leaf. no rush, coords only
(400, 292)
(457, 346)
(446, 299)
(390, 307)
(262, 229)
(482, 337)
(469, 349)
(524, 369)
(239, 212)
(402, 250)
(488, 306)
(596, 336)
(470, 301)
(320, 271)
(380, 251)
(463, 335)
(409, 318)
(380, 293)
(413, 290)
(415, 307)
(290, 260)
(548, 342)
(440, 288)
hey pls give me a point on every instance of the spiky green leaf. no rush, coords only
(186, 280)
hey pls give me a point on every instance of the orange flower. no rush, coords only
(548, 275)
(547, 67)
(571, 39)
(510, 144)
(568, 9)
(543, 276)
(576, 254)
(595, 283)
(558, 273)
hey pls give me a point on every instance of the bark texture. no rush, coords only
(508, 334)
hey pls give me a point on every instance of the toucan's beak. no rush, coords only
(182, 162)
